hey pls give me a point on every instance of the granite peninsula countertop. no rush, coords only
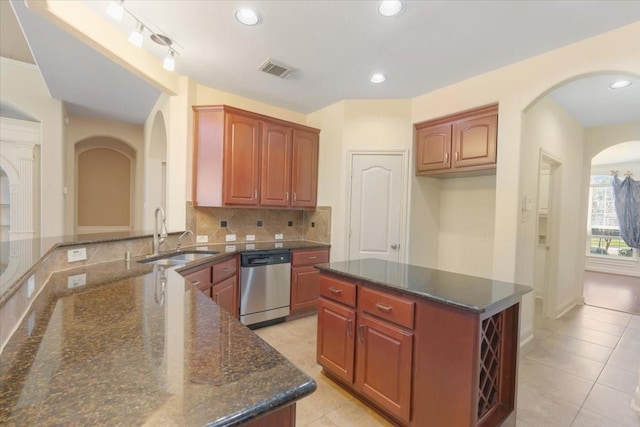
(138, 344)
(471, 293)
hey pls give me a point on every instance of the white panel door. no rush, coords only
(376, 206)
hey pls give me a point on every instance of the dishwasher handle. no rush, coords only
(258, 258)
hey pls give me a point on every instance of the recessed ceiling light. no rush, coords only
(390, 7)
(619, 84)
(247, 17)
(377, 78)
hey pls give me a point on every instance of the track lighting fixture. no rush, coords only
(169, 62)
(136, 37)
(116, 10)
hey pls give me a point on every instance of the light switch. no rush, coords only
(230, 238)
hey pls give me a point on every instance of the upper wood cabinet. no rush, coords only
(458, 145)
(247, 159)
(276, 165)
(241, 160)
(304, 170)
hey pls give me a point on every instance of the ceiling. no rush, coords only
(335, 46)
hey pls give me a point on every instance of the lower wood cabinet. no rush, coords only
(336, 345)
(284, 417)
(219, 281)
(384, 365)
(370, 355)
(225, 294)
(420, 362)
(304, 278)
(200, 277)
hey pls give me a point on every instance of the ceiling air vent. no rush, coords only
(275, 68)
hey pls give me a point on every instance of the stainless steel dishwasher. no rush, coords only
(265, 287)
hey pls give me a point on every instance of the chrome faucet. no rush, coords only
(159, 233)
(180, 238)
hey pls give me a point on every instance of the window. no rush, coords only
(603, 229)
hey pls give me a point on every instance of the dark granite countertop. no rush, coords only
(138, 344)
(471, 293)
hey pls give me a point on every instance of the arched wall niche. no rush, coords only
(105, 181)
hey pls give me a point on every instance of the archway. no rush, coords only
(156, 167)
(105, 171)
(549, 127)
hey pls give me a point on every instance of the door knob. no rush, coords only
(395, 245)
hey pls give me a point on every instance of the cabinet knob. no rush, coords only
(395, 245)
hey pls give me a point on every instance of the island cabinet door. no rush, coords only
(383, 373)
(336, 344)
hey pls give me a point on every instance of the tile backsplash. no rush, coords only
(264, 224)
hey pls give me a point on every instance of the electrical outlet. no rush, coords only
(230, 248)
(250, 246)
(202, 239)
(279, 236)
(251, 237)
(78, 254)
(279, 245)
(77, 280)
(230, 238)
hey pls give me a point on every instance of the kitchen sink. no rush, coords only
(176, 258)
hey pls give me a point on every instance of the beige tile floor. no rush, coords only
(581, 370)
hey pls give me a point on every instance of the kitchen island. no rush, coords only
(126, 343)
(423, 346)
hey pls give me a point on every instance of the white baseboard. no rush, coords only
(526, 336)
(569, 306)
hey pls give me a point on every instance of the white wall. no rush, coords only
(515, 88)
(467, 214)
(351, 126)
(22, 85)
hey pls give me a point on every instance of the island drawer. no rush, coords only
(224, 269)
(338, 290)
(309, 257)
(392, 308)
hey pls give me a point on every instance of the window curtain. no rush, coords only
(626, 194)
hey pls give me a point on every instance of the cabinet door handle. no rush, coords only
(255, 194)
(446, 157)
(350, 327)
(312, 257)
(383, 307)
(226, 269)
(196, 283)
(295, 197)
(335, 291)
(287, 196)
(361, 333)
(457, 156)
